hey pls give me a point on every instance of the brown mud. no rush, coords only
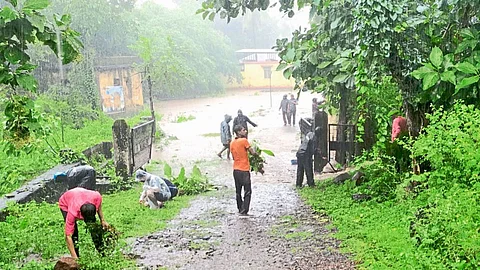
(281, 232)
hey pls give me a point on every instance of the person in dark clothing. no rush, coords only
(83, 176)
(292, 109)
(305, 160)
(172, 187)
(284, 104)
(242, 120)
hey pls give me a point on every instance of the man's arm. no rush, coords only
(251, 123)
(100, 215)
(69, 227)
(71, 248)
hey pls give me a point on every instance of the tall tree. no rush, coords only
(21, 25)
(186, 59)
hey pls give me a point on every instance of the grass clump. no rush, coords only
(183, 118)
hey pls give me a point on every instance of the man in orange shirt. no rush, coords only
(241, 168)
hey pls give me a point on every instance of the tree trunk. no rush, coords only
(152, 108)
(409, 88)
(342, 120)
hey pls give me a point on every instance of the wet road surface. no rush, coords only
(281, 231)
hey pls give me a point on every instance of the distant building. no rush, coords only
(119, 84)
(259, 70)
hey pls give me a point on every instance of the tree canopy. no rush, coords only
(22, 24)
(429, 49)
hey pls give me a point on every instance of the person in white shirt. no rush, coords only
(155, 190)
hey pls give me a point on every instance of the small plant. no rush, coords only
(195, 184)
(68, 156)
(182, 118)
(257, 161)
(211, 134)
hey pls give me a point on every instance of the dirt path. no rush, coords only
(281, 233)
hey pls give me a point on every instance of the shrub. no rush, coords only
(447, 144)
(195, 184)
(381, 175)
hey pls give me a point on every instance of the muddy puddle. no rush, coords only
(280, 233)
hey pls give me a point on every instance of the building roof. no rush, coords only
(256, 51)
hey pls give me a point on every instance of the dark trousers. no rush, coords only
(242, 180)
(97, 238)
(290, 116)
(285, 117)
(305, 165)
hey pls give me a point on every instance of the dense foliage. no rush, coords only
(22, 25)
(427, 220)
(185, 60)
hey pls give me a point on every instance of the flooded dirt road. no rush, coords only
(281, 231)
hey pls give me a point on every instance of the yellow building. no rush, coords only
(119, 84)
(259, 70)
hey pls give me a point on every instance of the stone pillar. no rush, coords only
(321, 149)
(122, 148)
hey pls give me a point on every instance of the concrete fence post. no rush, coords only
(321, 151)
(122, 148)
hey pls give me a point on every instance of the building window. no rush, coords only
(116, 82)
(267, 72)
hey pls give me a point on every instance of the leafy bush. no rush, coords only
(448, 226)
(257, 161)
(435, 229)
(195, 184)
(447, 144)
(381, 174)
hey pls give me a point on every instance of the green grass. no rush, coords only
(211, 134)
(183, 118)
(15, 170)
(376, 233)
(38, 229)
(298, 235)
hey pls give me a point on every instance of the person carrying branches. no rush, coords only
(241, 168)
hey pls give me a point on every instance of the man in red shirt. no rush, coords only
(80, 204)
(241, 168)
(399, 127)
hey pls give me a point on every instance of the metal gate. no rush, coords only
(341, 139)
(142, 140)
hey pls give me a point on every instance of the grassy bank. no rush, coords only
(16, 169)
(32, 236)
(377, 235)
